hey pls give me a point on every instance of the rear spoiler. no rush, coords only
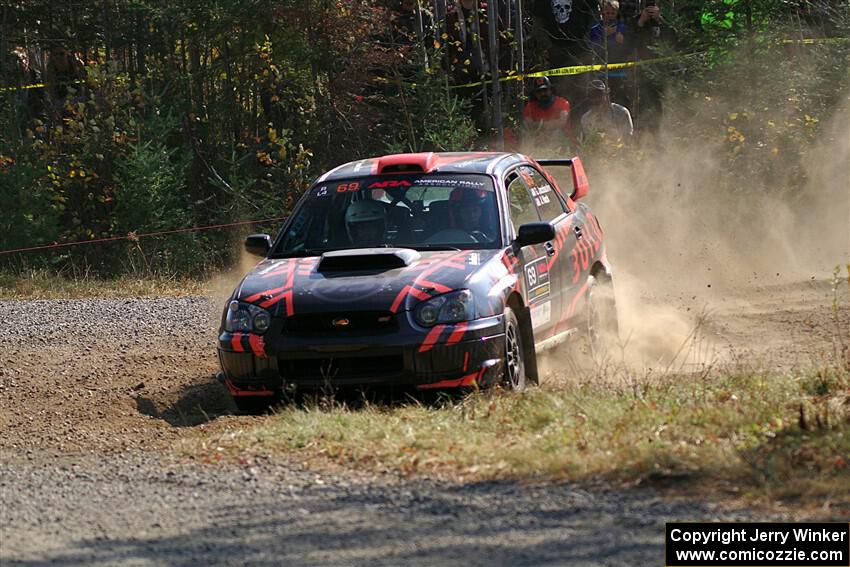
(580, 184)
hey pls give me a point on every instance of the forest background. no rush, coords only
(197, 114)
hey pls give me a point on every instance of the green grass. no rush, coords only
(738, 433)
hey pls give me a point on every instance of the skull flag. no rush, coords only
(561, 10)
(566, 24)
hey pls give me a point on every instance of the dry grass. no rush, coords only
(739, 433)
(40, 284)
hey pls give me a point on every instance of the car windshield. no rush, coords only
(419, 211)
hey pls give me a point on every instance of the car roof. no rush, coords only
(493, 163)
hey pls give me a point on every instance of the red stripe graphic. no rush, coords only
(574, 302)
(258, 346)
(285, 296)
(431, 338)
(509, 262)
(418, 294)
(439, 288)
(234, 391)
(283, 293)
(256, 296)
(421, 282)
(458, 333)
(236, 343)
(461, 382)
(399, 298)
(571, 308)
(584, 254)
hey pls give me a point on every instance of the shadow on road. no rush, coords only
(206, 399)
(194, 405)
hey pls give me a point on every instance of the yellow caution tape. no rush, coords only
(35, 86)
(817, 40)
(558, 72)
(5, 89)
(579, 69)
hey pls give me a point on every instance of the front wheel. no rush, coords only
(514, 378)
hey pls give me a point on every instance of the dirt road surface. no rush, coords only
(95, 392)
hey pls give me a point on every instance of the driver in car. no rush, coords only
(366, 223)
(471, 212)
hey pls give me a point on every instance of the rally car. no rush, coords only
(429, 270)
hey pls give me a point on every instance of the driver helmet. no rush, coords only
(366, 222)
(468, 208)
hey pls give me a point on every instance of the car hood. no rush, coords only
(297, 285)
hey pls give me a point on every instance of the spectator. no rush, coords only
(610, 30)
(605, 117)
(546, 114)
(629, 11)
(651, 29)
(562, 28)
(608, 38)
(64, 71)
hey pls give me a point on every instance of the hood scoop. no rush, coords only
(367, 259)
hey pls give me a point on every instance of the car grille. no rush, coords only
(340, 369)
(335, 324)
(441, 360)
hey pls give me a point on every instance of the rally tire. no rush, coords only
(602, 327)
(515, 354)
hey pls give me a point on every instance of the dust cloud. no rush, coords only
(221, 286)
(684, 237)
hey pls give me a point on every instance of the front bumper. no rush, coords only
(463, 354)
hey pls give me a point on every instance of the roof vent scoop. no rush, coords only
(406, 163)
(367, 259)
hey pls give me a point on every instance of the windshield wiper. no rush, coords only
(298, 253)
(437, 247)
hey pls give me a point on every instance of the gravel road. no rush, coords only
(93, 394)
(141, 509)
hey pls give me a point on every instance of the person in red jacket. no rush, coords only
(547, 115)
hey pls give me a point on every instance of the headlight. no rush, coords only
(449, 308)
(245, 318)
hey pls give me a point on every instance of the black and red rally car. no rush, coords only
(432, 270)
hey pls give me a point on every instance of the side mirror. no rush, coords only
(580, 183)
(535, 233)
(258, 244)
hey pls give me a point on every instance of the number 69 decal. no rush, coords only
(531, 274)
(343, 187)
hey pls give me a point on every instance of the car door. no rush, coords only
(541, 293)
(580, 245)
